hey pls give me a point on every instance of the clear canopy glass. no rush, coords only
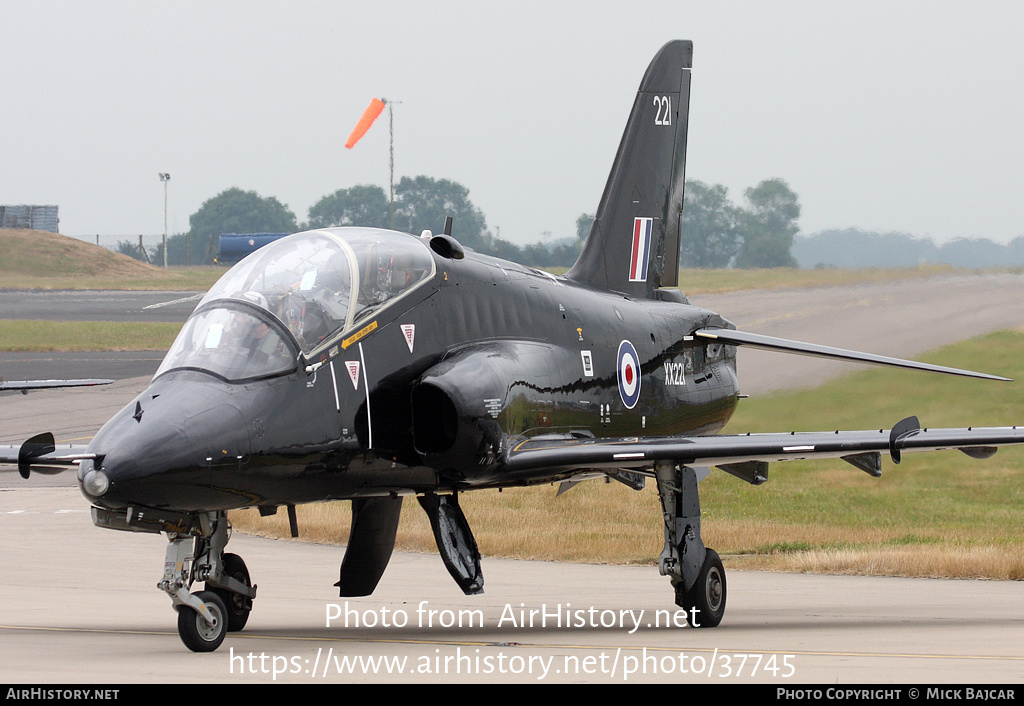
(231, 343)
(318, 284)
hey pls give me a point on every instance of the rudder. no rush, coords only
(633, 245)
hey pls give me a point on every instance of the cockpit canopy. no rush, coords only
(318, 284)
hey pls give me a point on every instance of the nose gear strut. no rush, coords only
(197, 554)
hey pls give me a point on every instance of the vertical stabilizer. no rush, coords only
(633, 246)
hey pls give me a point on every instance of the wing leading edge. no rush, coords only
(747, 455)
(25, 385)
(756, 340)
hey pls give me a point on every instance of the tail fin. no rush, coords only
(633, 246)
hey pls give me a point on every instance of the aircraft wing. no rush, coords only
(42, 455)
(756, 340)
(26, 385)
(747, 455)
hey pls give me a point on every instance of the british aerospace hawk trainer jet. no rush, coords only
(373, 365)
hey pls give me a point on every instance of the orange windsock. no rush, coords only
(375, 108)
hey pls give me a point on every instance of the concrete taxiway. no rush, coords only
(79, 604)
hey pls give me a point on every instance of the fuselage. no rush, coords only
(399, 370)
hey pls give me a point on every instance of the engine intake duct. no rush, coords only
(455, 406)
(435, 419)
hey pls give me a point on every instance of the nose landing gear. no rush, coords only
(197, 554)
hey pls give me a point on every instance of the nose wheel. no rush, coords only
(203, 631)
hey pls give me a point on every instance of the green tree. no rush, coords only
(421, 203)
(127, 247)
(176, 251)
(583, 225)
(362, 205)
(231, 211)
(768, 225)
(709, 234)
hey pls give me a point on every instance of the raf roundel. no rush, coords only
(629, 374)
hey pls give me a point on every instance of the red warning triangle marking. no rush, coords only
(353, 372)
(409, 331)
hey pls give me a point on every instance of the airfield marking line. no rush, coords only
(158, 305)
(538, 645)
(296, 638)
(105, 631)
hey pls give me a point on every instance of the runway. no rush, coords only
(97, 305)
(80, 605)
(89, 305)
(903, 318)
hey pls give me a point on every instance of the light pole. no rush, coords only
(164, 177)
(391, 154)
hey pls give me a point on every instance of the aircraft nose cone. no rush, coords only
(158, 449)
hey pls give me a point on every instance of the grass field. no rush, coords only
(937, 514)
(26, 335)
(32, 259)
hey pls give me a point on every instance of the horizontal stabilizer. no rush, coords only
(756, 340)
(41, 455)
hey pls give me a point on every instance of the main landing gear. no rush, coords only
(197, 554)
(697, 574)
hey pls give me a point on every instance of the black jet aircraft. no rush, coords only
(372, 365)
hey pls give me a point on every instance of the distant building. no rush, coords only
(30, 217)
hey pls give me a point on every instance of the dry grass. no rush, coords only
(525, 523)
(610, 524)
(931, 562)
(32, 259)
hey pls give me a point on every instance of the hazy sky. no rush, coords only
(887, 115)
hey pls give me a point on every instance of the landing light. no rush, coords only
(96, 483)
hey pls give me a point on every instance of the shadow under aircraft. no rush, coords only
(372, 365)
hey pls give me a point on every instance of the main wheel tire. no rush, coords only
(238, 606)
(195, 632)
(707, 595)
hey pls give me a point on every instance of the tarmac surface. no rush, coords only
(79, 604)
(97, 305)
(901, 318)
